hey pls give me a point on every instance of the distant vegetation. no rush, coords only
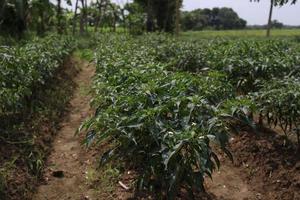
(216, 18)
(18, 18)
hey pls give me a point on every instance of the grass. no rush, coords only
(5, 171)
(276, 33)
(103, 181)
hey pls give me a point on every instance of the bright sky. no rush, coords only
(254, 13)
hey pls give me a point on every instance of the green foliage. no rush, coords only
(245, 62)
(26, 132)
(135, 18)
(13, 17)
(217, 18)
(41, 12)
(23, 70)
(280, 2)
(279, 103)
(162, 102)
(159, 14)
(162, 121)
(248, 63)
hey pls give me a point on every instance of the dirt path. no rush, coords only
(69, 160)
(227, 184)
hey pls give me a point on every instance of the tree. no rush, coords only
(40, 12)
(272, 4)
(217, 18)
(161, 14)
(228, 19)
(100, 5)
(59, 16)
(177, 25)
(13, 17)
(75, 17)
(135, 18)
(82, 17)
(277, 24)
(150, 20)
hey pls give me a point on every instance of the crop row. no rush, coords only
(26, 69)
(161, 102)
(266, 72)
(161, 121)
(247, 63)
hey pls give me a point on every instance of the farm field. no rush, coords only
(115, 116)
(171, 109)
(251, 33)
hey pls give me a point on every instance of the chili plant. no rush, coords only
(279, 103)
(161, 121)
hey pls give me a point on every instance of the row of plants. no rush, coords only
(36, 83)
(247, 63)
(278, 104)
(26, 69)
(161, 121)
(264, 71)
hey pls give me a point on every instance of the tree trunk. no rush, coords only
(86, 16)
(75, 18)
(166, 17)
(177, 26)
(41, 29)
(270, 19)
(82, 18)
(2, 4)
(124, 20)
(114, 20)
(149, 17)
(59, 27)
(99, 16)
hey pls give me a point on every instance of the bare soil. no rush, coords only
(228, 184)
(65, 174)
(270, 165)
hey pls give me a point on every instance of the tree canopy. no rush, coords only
(216, 18)
(160, 14)
(279, 2)
(13, 16)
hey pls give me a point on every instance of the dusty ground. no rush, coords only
(69, 159)
(227, 184)
(269, 165)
